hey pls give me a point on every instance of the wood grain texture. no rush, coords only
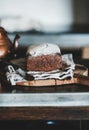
(44, 113)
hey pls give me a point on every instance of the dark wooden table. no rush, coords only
(45, 104)
(68, 102)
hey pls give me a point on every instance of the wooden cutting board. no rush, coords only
(80, 77)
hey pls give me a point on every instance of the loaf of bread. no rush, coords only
(44, 57)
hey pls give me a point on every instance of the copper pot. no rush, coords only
(6, 46)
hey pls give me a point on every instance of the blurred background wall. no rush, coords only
(69, 19)
(45, 15)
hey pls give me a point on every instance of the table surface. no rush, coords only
(46, 103)
(63, 102)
